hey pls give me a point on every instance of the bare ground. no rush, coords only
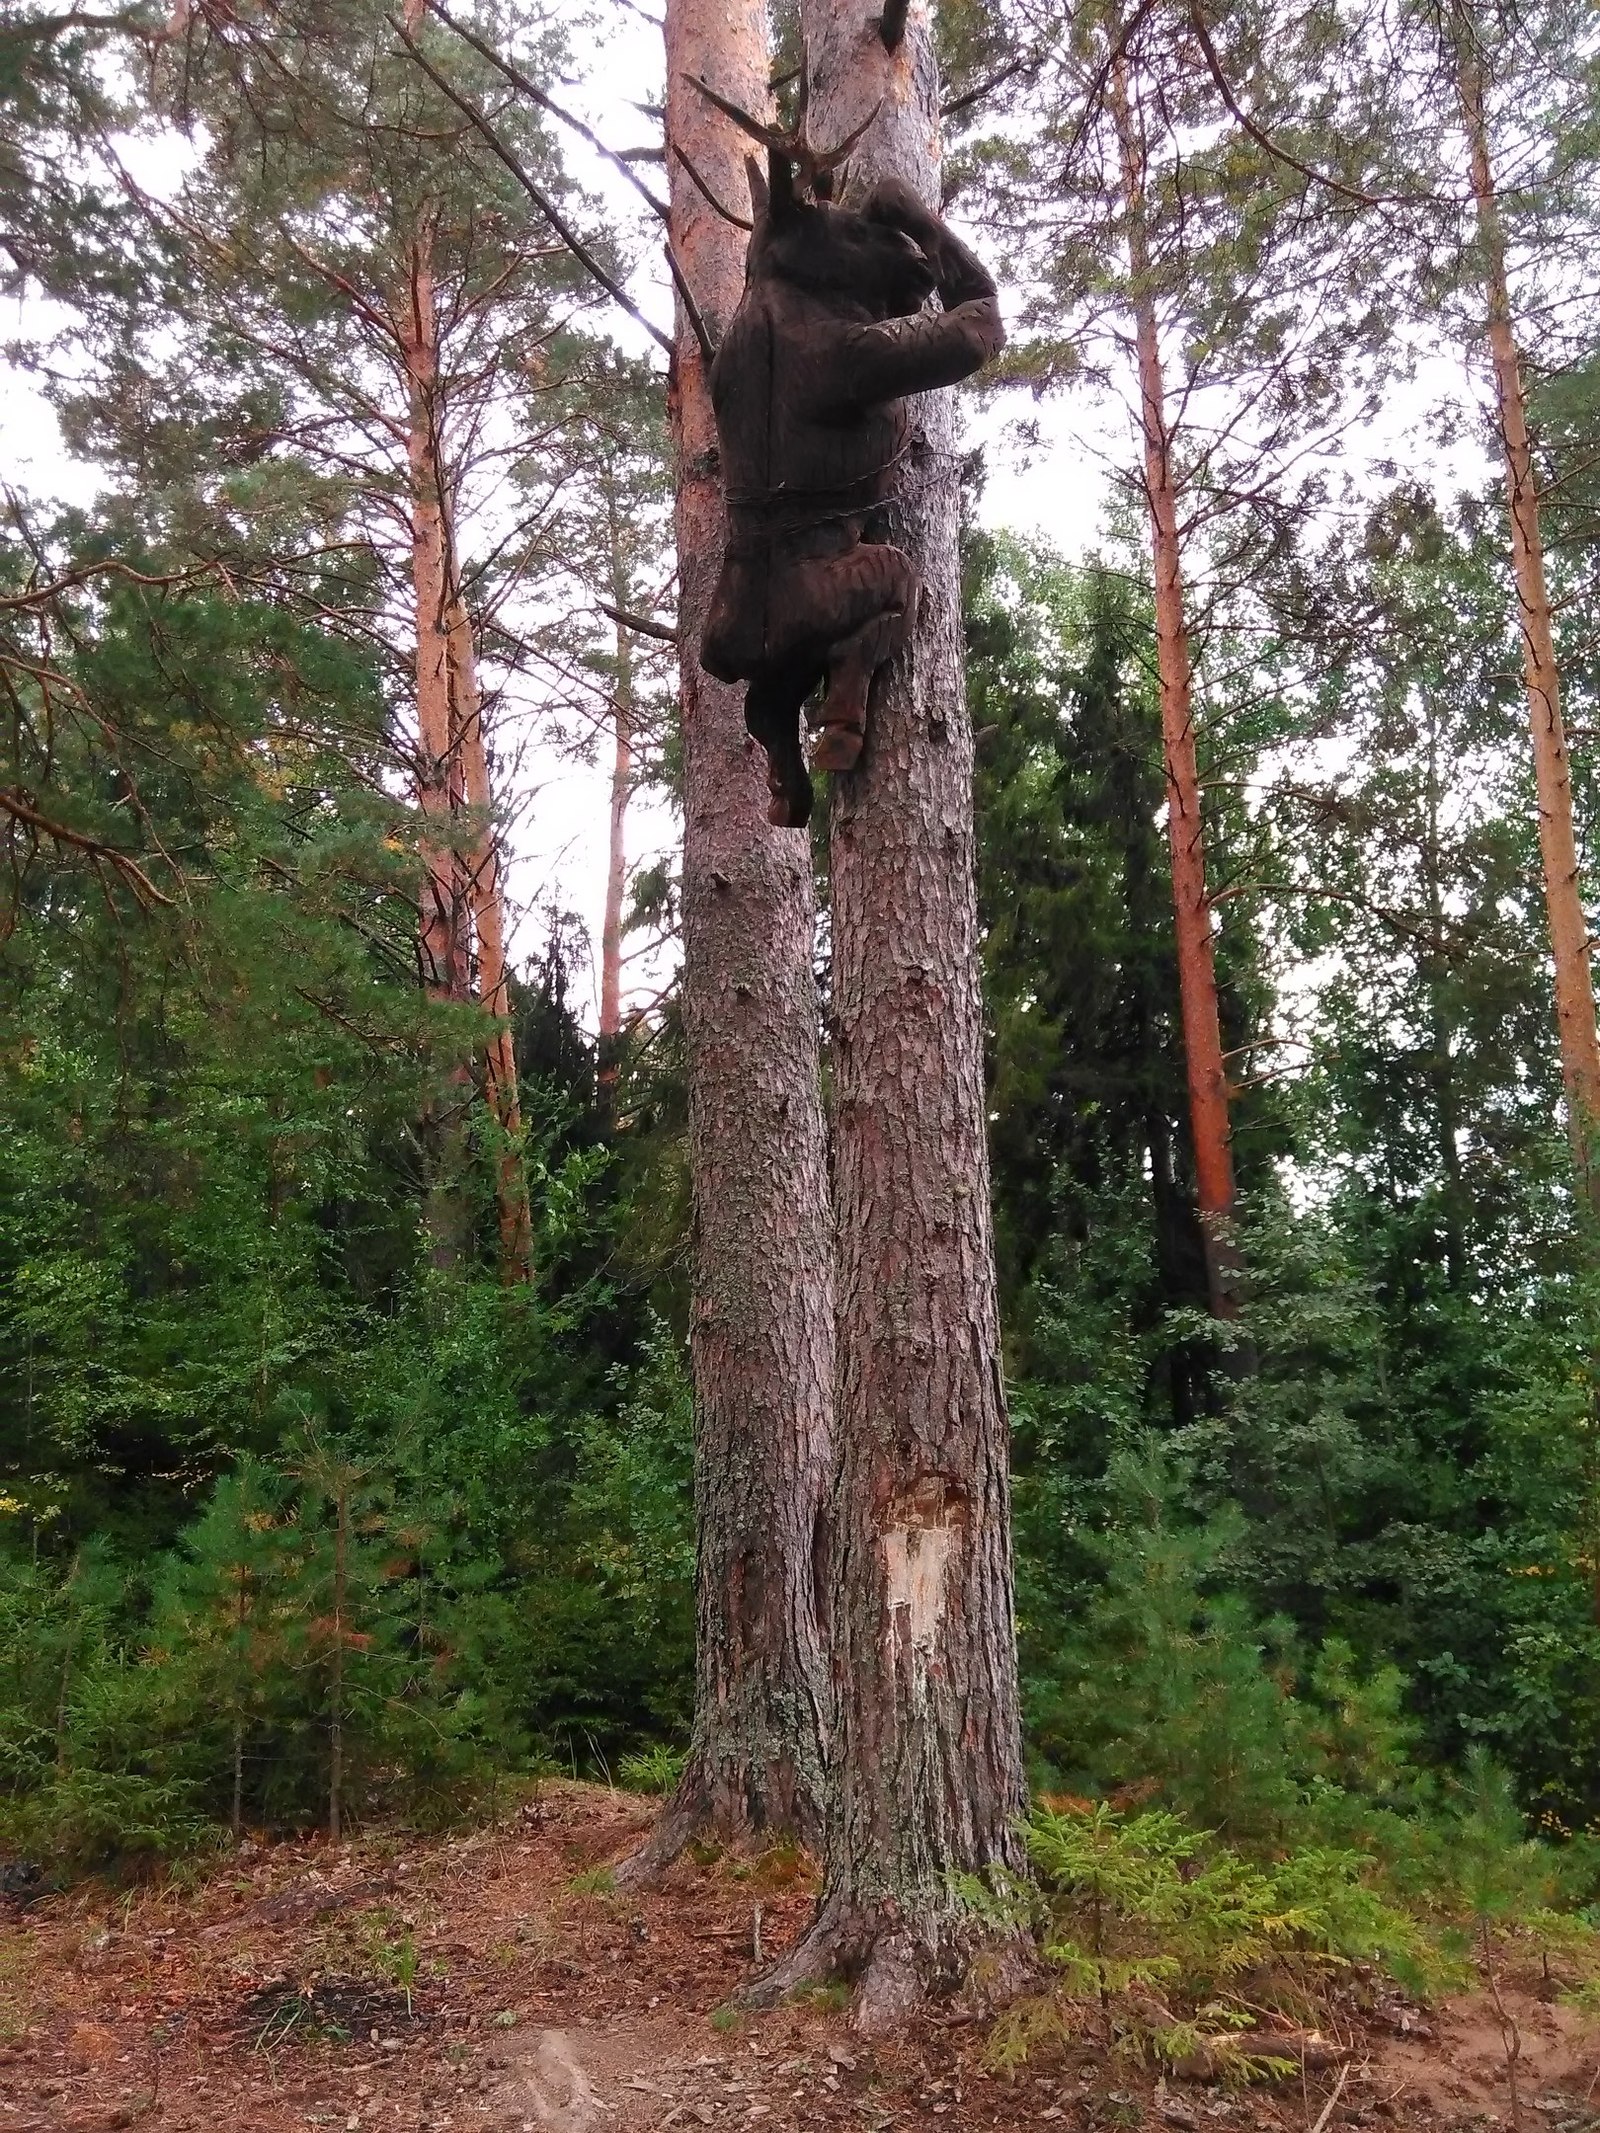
(492, 1984)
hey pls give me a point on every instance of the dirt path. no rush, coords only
(494, 1983)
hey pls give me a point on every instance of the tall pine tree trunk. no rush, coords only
(925, 1780)
(486, 902)
(442, 919)
(1558, 849)
(761, 1315)
(622, 716)
(440, 924)
(1197, 975)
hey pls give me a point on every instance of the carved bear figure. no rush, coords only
(808, 389)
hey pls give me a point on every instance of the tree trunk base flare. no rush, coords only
(896, 1976)
(738, 1808)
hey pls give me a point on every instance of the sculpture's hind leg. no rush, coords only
(883, 582)
(772, 713)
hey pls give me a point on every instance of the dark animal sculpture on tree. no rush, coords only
(808, 389)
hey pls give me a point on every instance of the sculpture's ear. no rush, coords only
(758, 188)
(781, 197)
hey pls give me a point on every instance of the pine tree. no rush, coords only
(925, 1770)
(1467, 39)
(220, 1620)
(760, 1313)
(1236, 316)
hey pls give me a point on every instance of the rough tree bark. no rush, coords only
(925, 1779)
(1197, 975)
(761, 1316)
(1558, 849)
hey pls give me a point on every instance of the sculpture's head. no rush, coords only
(859, 257)
(847, 254)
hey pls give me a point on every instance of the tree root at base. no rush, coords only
(896, 1976)
(699, 1812)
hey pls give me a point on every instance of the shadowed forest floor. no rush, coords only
(495, 1983)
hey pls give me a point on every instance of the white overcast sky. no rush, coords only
(1057, 492)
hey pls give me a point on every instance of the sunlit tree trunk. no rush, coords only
(440, 926)
(925, 1780)
(761, 1317)
(442, 918)
(1558, 849)
(1197, 975)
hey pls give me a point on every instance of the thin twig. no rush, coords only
(1262, 139)
(1328, 2107)
(976, 95)
(547, 102)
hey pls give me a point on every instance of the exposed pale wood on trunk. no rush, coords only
(1558, 848)
(761, 1324)
(1197, 975)
(926, 1776)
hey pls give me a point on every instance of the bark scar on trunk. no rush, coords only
(922, 1527)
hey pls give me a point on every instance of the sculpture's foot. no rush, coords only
(789, 783)
(838, 748)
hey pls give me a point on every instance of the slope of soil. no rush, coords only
(493, 1983)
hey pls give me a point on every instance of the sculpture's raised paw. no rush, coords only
(838, 748)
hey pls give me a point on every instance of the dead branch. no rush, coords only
(23, 811)
(552, 214)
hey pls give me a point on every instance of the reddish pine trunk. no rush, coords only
(761, 1315)
(486, 900)
(1197, 975)
(926, 1776)
(1558, 849)
(442, 919)
(341, 1564)
(439, 930)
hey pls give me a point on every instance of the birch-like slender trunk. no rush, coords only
(341, 1572)
(925, 1778)
(1558, 847)
(463, 904)
(442, 919)
(761, 1317)
(1197, 974)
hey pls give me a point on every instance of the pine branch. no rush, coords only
(641, 623)
(552, 214)
(1264, 140)
(531, 89)
(21, 810)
